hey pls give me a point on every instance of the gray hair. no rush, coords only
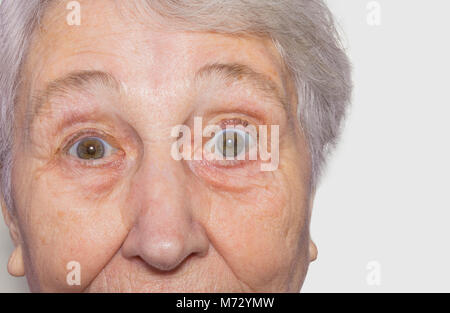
(303, 31)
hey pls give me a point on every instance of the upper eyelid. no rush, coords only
(87, 133)
(243, 129)
(235, 120)
(214, 134)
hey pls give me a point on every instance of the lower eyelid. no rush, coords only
(236, 178)
(110, 162)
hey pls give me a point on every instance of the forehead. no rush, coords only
(134, 50)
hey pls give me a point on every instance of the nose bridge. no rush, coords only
(164, 181)
(165, 231)
(165, 208)
(160, 178)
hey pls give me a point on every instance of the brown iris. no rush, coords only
(90, 148)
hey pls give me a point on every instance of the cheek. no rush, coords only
(258, 232)
(61, 223)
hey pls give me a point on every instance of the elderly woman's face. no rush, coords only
(95, 182)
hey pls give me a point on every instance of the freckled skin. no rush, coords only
(151, 223)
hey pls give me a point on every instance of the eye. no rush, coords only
(91, 148)
(231, 143)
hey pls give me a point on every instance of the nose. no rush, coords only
(166, 230)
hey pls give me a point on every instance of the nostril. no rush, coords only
(166, 267)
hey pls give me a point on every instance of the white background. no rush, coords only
(385, 196)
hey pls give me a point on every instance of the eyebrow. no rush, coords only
(236, 72)
(85, 80)
(74, 81)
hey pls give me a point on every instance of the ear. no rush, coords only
(15, 265)
(312, 246)
(312, 251)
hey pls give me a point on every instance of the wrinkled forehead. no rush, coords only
(119, 39)
(112, 27)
